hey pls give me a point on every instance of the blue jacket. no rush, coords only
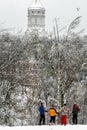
(41, 110)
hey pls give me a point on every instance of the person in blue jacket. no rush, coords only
(42, 114)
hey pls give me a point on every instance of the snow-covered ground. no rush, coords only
(55, 127)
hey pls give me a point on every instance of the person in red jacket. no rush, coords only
(64, 114)
(75, 111)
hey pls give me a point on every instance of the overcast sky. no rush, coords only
(13, 13)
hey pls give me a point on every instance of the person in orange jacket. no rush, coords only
(52, 113)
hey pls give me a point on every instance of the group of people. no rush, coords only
(63, 112)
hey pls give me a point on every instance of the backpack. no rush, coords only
(76, 109)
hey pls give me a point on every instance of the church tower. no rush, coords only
(36, 17)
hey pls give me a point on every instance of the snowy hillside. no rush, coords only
(56, 127)
(35, 70)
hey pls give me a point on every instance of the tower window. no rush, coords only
(32, 12)
(35, 20)
(38, 12)
(42, 12)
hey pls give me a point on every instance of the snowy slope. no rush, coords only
(55, 127)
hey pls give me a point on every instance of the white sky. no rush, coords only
(13, 13)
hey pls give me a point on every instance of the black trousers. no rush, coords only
(75, 120)
(42, 119)
(52, 119)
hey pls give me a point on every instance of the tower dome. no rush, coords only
(36, 5)
(36, 17)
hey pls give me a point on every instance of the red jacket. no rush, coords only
(76, 109)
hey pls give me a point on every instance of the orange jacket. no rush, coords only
(52, 112)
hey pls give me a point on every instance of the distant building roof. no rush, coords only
(36, 5)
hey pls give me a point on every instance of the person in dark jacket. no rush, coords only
(42, 114)
(75, 111)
